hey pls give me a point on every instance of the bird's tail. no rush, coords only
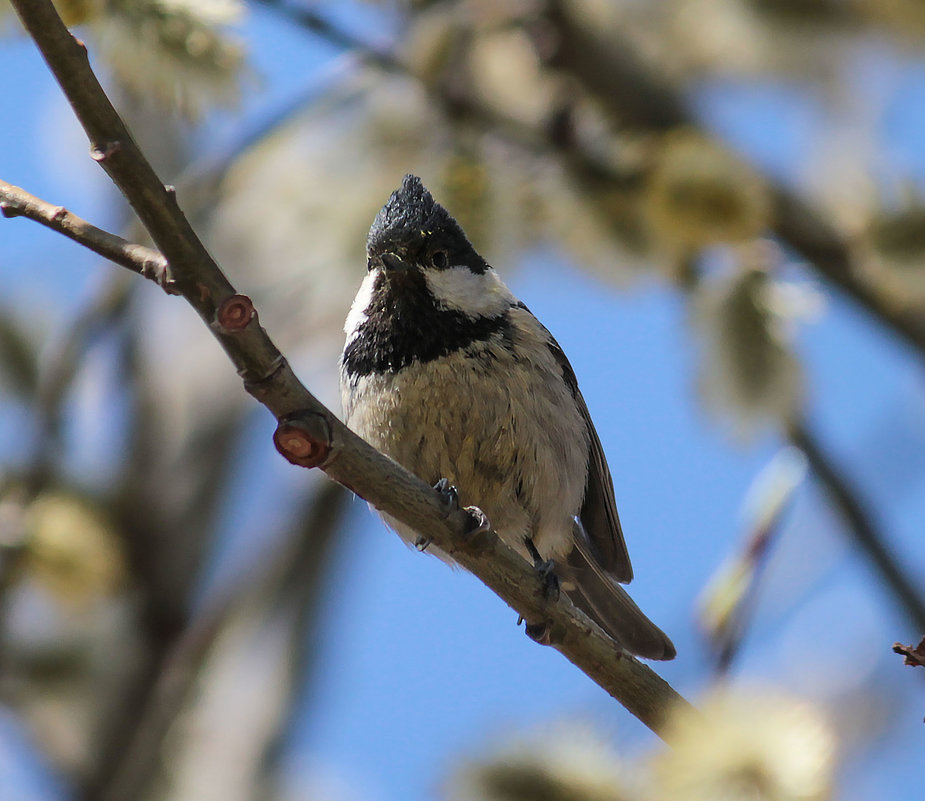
(601, 598)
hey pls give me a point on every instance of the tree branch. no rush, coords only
(859, 524)
(17, 202)
(268, 377)
(636, 96)
(459, 106)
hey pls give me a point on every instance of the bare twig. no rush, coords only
(859, 524)
(16, 202)
(914, 654)
(267, 376)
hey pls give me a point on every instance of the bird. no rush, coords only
(448, 373)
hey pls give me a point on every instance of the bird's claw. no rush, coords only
(546, 569)
(478, 522)
(539, 632)
(547, 574)
(449, 495)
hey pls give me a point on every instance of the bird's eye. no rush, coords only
(439, 259)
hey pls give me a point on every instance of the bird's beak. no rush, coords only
(394, 263)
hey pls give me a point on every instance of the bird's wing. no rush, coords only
(609, 605)
(598, 513)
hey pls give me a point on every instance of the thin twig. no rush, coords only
(860, 524)
(17, 202)
(268, 377)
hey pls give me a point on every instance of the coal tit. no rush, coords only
(448, 373)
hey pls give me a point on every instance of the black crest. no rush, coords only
(412, 221)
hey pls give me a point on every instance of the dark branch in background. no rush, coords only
(460, 107)
(293, 579)
(64, 361)
(300, 586)
(343, 455)
(638, 98)
(860, 525)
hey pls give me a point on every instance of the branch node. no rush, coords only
(256, 386)
(10, 210)
(304, 438)
(105, 152)
(235, 313)
(158, 270)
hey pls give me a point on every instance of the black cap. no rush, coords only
(412, 216)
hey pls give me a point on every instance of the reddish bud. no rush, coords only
(235, 313)
(297, 440)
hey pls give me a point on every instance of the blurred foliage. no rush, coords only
(746, 744)
(565, 763)
(739, 743)
(564, 126)
(176, 53)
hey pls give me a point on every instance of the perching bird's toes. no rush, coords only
(539, 632)
(449, 495)
(546, 569)
(550, 579)
(478, 522)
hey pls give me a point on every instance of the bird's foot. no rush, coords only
(539, 632)
(546, 568)
(448, 494)
(477, 521)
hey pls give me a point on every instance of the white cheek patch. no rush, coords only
(474, 294)
(357, 315)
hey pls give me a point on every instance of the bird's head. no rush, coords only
(415, 246)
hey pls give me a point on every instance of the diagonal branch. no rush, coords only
(269, 378)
